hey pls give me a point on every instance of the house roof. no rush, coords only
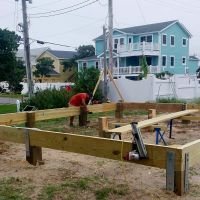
(63, 54)
(193, 58)
(34, 54)
(52, 72)
(149, 28)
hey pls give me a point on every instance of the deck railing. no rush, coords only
(135, 70)
(144, 46)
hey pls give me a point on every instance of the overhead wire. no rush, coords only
(66, 11)
(45, 42)
(52, 11)
(141, 12)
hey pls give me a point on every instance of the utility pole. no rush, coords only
(29, 75)
(105, 92)
(110, 29)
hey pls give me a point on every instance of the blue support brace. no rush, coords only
(170, 128)
(161, 135)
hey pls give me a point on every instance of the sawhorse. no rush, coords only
(159, 136)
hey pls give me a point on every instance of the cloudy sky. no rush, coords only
(80, 21)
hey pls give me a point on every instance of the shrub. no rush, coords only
(49, 98)
(86, 81)
(170, 100)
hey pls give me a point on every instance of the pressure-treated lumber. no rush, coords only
(192, 118)
(13, 118)
(94, 146)
(149, 122)
(193, 148)
(20, 117)
(35, 152)
(160, 107)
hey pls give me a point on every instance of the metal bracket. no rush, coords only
(27, 142)
(170, 171)
(138, 140)
(186, 173)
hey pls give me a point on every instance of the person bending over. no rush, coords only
(80, 99)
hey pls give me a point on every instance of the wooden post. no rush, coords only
(181, 175)
(119, 111)
(35, 153)
(82, 117)
(151, 113)
(103, 126)
(184, 107)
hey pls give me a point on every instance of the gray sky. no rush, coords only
(83, 25)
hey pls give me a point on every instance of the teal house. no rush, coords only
(165, 46)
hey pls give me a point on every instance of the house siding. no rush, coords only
(178, 50)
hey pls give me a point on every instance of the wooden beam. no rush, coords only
(72, 111)
(13, 118)
(192, 118)
(160, 107)
(94, 146)
(193, 149)
(149, 122)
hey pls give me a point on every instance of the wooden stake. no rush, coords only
(119, 111)
(82, 117)
(35, 152)
(103, 126)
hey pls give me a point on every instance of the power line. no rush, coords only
(66, 11)
(141, 12)
(45, 42)
(41, 13)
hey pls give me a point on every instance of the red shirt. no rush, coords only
(77, 100)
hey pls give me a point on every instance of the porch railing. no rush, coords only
(144, 46)
(135, 70)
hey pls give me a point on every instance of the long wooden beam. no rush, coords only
(13, 118)
(94, 146)
(160, 107)
(149, 122)
(20, 117)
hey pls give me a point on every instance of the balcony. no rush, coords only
(146, 48)
(135, 70)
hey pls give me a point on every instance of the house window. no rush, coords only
(121, 41)
(142, 39)
(84, 65)
(164, 61)
(164, 39)
(147, 38)
(129, 40)
(184, 42)
(172, 61)
(184, 60)
(172, 40)
(97, 65)
(116, 43)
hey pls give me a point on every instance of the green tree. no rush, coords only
(85, 51)
(82, 52)
(144, 66)
(86, 80)
(69, 64)
(16, 77)
(11, 70)
(43, 67)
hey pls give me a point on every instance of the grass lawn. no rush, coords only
(11, 95)
(7, 108)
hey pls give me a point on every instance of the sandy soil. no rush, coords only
(143, 182)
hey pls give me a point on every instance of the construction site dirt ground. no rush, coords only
(74, 176)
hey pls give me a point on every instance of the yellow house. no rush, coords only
(57, 74)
